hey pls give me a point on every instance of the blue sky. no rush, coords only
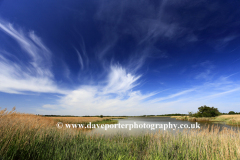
(76, 57)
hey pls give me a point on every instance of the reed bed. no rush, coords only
(183, 118)
(209, 143)
(193, 119)
(229, 119)
(77, 120)
(26, 136)
(202, 119)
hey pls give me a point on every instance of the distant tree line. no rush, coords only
(174, 114)
(203, 111)
(79, 116)
(232, 112)
(60, 116)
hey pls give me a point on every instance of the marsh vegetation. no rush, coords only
(26, 136)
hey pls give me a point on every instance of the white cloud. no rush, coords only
(118, 97)
(173, 95)
(207, 74)
(80, 59)
(33, 75)
(219, 94)
(119, 81)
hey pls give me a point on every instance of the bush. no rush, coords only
(205, 111)
(231, 112)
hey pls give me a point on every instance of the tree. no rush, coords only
(231, 112)
(205, 111)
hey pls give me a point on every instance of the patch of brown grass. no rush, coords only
(77, 120)
(208, 143)
(23, 120)
(20, 130)
(183, 118)
(229, 119)
(11, 122)
(14, 124)
(202, 119)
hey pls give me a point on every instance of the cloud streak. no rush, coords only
(80, 60)
(118, 96)
(33, 75)
(173, 95)
(116, 93)
(119, 81)
(122, 42)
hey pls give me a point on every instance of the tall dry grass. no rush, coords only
(20, 128)
(77, 120)
(183, 118)
(229, 119)
(209, 143)
(194, 119)
(27, 136)
(201, 119)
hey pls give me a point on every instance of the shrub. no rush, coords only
(231, 112)
(205, 111)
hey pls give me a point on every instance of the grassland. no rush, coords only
(84, 120)
(228, 119)
(26, 136)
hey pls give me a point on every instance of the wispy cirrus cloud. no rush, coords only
(207, 72)
(112, 96)
(34, 73)
(147, 27)
(80, 59)
(143, 26)
(219, 94)
(173, 95)
(119, 81)
(118, 96)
